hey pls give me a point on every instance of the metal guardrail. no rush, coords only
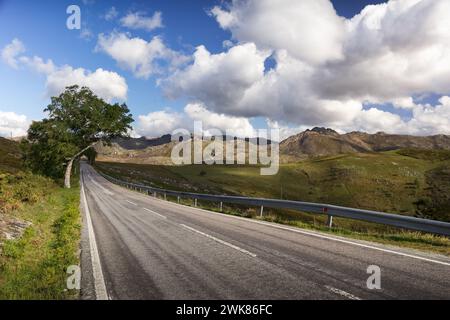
(405, 222)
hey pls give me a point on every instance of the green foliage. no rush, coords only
(10, 156)
(20, 188)
(34, 267)
(76, 119)
(432, 155)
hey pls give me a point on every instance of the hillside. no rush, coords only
(309, 143)
(10, 156)
(400, 181)
(39, 231)
(321, 142)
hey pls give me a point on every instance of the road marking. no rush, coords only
(160, 215)
(99, 280)
(219, 241)
(102, 187)
(317, 235)
(134, 204)
(342, 293)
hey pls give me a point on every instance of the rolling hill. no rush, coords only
(309, 143)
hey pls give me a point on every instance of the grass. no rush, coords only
(34, 267)
(404, 182)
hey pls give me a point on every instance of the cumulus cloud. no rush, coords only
(11, 51)
(392, 50)
(158, 123)
(328, 70)
(138, 20)
(106, 84)
(13, 124)
(162, 122)
(219, 80)
(309, 29)
(139, 56)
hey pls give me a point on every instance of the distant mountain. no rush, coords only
(324, 141)
(313, 142)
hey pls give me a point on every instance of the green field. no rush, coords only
(34, 265)
(409, 182)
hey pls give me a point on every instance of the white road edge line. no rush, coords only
(342, 293)
(220, 241)
(99, 281)
(134, 204)
(318, 235)
(151, 211)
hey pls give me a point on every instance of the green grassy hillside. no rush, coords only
(43, 221)
(390, 181)
(17, 186)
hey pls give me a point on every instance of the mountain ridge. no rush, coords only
(318, 141)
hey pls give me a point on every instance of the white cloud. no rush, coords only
(309, 30)
(139, 56)
(391, 51)
(106, 84)
(111, 14)
(11, 51)
(162, 122)
(13, 123)
(158, 123)
(38, 64)
(137, 20)
(328, 69)
(218, 80)
(238, 126)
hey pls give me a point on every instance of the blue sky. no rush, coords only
(41, 27)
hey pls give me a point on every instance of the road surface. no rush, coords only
(137, 247)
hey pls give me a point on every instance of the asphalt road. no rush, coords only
(137, 247)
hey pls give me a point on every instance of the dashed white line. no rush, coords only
(342, 293)
(220, 241)
(134, 204)
(99, 280)
(156, 213)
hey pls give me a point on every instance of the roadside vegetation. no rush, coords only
(39, 231)
(408, 182)
(39, 219)
(34, 266)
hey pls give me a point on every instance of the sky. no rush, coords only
(236, 65)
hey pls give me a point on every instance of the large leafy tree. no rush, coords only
(77, 120)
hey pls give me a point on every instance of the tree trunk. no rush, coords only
(70, 164)
(68, 172)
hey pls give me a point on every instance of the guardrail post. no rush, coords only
(221, 206)
(262, 211)
(165, 196)
(195, 203)
(154, 194)
(330, 217)
(330, 221)
(178, 199)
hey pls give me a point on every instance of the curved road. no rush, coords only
(137, 247)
